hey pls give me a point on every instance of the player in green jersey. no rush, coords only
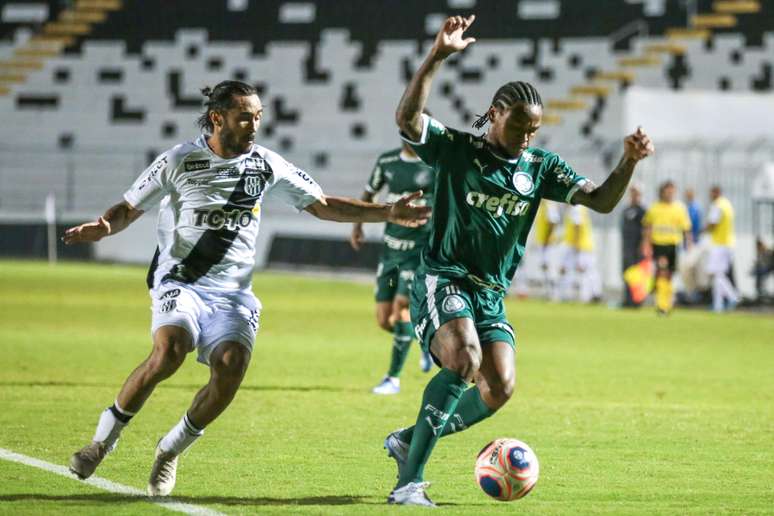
(487, 193)
(398, 171)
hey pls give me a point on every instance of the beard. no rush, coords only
(232, 144)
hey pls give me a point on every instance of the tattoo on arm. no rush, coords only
(412, 103)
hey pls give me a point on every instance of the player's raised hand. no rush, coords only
(357, 238)
(406, 214)
(638, 146)
(88, 232)
(450, 38)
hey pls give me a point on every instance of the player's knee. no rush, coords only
(383, 319)
(232, 362)
(168, 355)
(502, 390)
(466, 359)
(384, 322)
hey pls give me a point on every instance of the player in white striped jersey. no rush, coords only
(211, 191)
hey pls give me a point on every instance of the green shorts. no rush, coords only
(436, 300)
(394, 276)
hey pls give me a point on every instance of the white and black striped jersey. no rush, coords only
(211, 209)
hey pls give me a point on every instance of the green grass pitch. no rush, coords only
(628, 413)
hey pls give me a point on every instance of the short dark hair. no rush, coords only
(663, 186)
(221, 98)
(509, 94)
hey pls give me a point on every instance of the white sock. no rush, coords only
(109, 426)
(181, 437)
(722, 289)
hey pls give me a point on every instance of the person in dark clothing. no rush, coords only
(631, 231)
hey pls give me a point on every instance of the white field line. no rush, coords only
(107, 485)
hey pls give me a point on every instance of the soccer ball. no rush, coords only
(507, 469)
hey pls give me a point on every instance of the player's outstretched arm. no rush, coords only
(604, 198)
(448, 40)
(115, 219)
(345, 209)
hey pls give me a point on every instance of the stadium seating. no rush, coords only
(331, 74)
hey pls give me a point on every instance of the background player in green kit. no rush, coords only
(487, 193)
(399, 171)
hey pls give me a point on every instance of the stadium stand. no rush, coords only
(95, 88)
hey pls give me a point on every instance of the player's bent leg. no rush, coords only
(170, 345)
(228, 364)
(455, 344)
(495, 381)
(386, 318)
(383, 315)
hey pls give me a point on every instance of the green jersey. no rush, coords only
(400, 176)
(484, 203)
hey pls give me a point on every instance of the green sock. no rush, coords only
(401, 342)
(439, 400)
(470, 410)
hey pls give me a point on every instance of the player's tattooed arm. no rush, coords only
(115, 219)
(345, 209)
(448, 40)
(604, 198)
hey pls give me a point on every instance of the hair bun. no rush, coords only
(207, 91)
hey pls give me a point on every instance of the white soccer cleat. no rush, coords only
(412, 493)
(387, 386)
(163, 473)
(397, 449)
(85, 461)
(425, 362)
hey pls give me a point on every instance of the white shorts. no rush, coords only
(573, 259)
(718, 259)
(211, 317)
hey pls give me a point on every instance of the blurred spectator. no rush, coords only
(579, 264)
(720, 226)
(631, 230)
(762, 268)
(547, 237)
(665, 225)
(694, 213)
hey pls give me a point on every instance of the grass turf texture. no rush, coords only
(628, 413)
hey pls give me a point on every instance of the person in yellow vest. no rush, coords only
(665, 225)
(579, 264)
(720, 226)
(547, 237)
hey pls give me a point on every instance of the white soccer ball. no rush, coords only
(507, 469)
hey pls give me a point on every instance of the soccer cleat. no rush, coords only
(387, 386)
(85, 461)
(163, 473)
(412, 493)
(425, 362)
(397, 449)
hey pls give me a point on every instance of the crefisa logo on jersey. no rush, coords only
(523, 183)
